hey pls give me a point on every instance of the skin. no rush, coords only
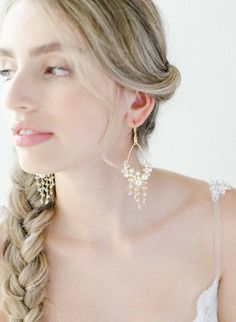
(78, 121)
(99, 241)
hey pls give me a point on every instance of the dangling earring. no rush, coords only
(45, 184)
(137, 180)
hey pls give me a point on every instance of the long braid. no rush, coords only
(25, 284)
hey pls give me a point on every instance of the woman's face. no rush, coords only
(50, 99)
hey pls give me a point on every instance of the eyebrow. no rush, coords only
(36, 51)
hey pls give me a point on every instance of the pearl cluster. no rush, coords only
(45, 183)
(137, 180)
(218, 187)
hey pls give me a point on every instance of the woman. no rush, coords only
(90, 233)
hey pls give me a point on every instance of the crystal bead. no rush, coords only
(218, 187)
(137, 179)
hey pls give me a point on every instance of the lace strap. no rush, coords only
(217, 187)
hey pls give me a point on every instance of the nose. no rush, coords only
(19, 93)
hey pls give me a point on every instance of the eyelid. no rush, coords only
(68, 71)
(57, 61)
(61, 63)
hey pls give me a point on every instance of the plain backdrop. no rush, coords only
(196, 130)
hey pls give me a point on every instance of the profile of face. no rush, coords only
(50, 98)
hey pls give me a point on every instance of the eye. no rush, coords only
(62, 72)
(4, 72)
(61, 69)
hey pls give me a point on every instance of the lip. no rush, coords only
(32, 139)
(23, 126)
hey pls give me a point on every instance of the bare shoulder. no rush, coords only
(196, 192)
(227, 290)
(182, 201)
(197, 196)
(181, 188)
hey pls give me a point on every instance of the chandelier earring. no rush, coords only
(137, 180)
(45, 183)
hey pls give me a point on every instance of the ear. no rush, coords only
(140, 109)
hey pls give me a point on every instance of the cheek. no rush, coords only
(81, 118)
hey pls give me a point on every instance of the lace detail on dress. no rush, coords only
(207, 304)
(217, 187)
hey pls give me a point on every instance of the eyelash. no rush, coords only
(49, 68)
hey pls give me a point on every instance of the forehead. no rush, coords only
(28, 29)
(27, 19)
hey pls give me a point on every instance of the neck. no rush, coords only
(92, 203)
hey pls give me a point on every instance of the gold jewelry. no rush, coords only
(136, 179)
(45, 184)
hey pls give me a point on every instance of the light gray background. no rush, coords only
(196, 130)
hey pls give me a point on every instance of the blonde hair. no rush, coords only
(126, 40)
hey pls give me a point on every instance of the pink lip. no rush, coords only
(16, 129)
(32, 139)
